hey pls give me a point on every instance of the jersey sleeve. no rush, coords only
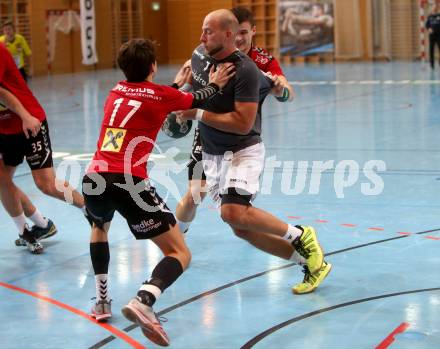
(274, 68)
(178, 100)
(247, 82)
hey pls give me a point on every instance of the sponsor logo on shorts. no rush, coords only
(146, 225)
(238, 180)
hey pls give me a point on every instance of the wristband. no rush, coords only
(199, 114)
(186, 87)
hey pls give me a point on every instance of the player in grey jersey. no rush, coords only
(233, 152)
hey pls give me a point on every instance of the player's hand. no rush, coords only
(278, 84)
(31, 126)
(189, 114)
(184, 75)
(222, 74)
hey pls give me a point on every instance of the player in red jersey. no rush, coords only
(263, 59)
(24, 132)
(117, 180)
(282, 90)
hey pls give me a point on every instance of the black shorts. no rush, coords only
(146, 213)
(37, 150)
(195, 165)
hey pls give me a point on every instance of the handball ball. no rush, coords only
(176, 128)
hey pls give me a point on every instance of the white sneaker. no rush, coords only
(101, 310)
(144, 316)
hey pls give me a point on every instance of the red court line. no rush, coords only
(390, 339)
(349, 225)
(67, 307)
(432, 237)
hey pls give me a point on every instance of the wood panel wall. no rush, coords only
(176, 26)
(185, 20)
(156, 26)
(68, 46)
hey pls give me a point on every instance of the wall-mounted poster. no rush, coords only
(306, 27)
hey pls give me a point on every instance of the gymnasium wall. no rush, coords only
(68, 46)
(175, 26)
(364, 29)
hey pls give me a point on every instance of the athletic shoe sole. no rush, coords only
(320, 280)
(101, 317)
(36, 249)
(153, 332)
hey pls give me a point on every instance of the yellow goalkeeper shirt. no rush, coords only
(18, 48)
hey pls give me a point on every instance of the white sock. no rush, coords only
(292, 233)
(184, 226)
(152, 289)
(38, 219)
(297, 258)
(20, 222)
(101, 283)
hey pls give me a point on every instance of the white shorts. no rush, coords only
(240, 170)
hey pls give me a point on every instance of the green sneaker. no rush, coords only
(312, 281)
(308, 246)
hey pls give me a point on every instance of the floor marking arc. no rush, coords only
(118, 333)
(275, 328)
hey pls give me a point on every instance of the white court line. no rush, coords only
(366, 82)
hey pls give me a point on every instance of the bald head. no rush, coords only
(225, 19)
(218, 33)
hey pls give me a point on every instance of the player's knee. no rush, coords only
(232, 214)
(189, 200)
(184, 256)
(187, 257)
(240, 234)
(196, 195)
(45, 187)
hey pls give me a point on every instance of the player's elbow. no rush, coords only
(244, 128)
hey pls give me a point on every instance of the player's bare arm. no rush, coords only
(240, 121)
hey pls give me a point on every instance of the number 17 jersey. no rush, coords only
(133, 115)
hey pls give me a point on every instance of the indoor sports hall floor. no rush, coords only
(354, 130)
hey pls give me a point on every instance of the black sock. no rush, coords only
(146, 297)
(164, 274)
(100, 255)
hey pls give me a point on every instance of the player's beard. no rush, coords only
(215, 50)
